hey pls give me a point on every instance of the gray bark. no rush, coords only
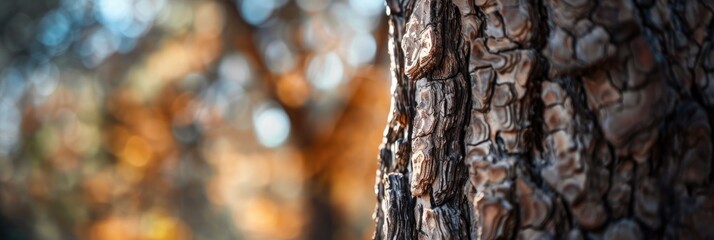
(548, 119)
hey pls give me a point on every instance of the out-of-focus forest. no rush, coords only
(187, 119)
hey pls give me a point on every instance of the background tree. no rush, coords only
(544, 119)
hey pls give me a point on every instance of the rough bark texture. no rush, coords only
(541, 119)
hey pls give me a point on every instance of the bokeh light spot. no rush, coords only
(55, 28)
(272, 125)
(45, 79)
(361, 49)
(280, 56)
(137, 152)
(256, 12)
(325, 72)
(368, 7)
(236, 68)
(12, 85)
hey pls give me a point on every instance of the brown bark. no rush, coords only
(548, 119)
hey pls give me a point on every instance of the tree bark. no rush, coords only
(548, 119)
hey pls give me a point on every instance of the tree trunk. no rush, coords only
(548, 119)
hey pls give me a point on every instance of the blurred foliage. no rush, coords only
(187, 119)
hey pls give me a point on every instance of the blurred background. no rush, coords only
(188, 119)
